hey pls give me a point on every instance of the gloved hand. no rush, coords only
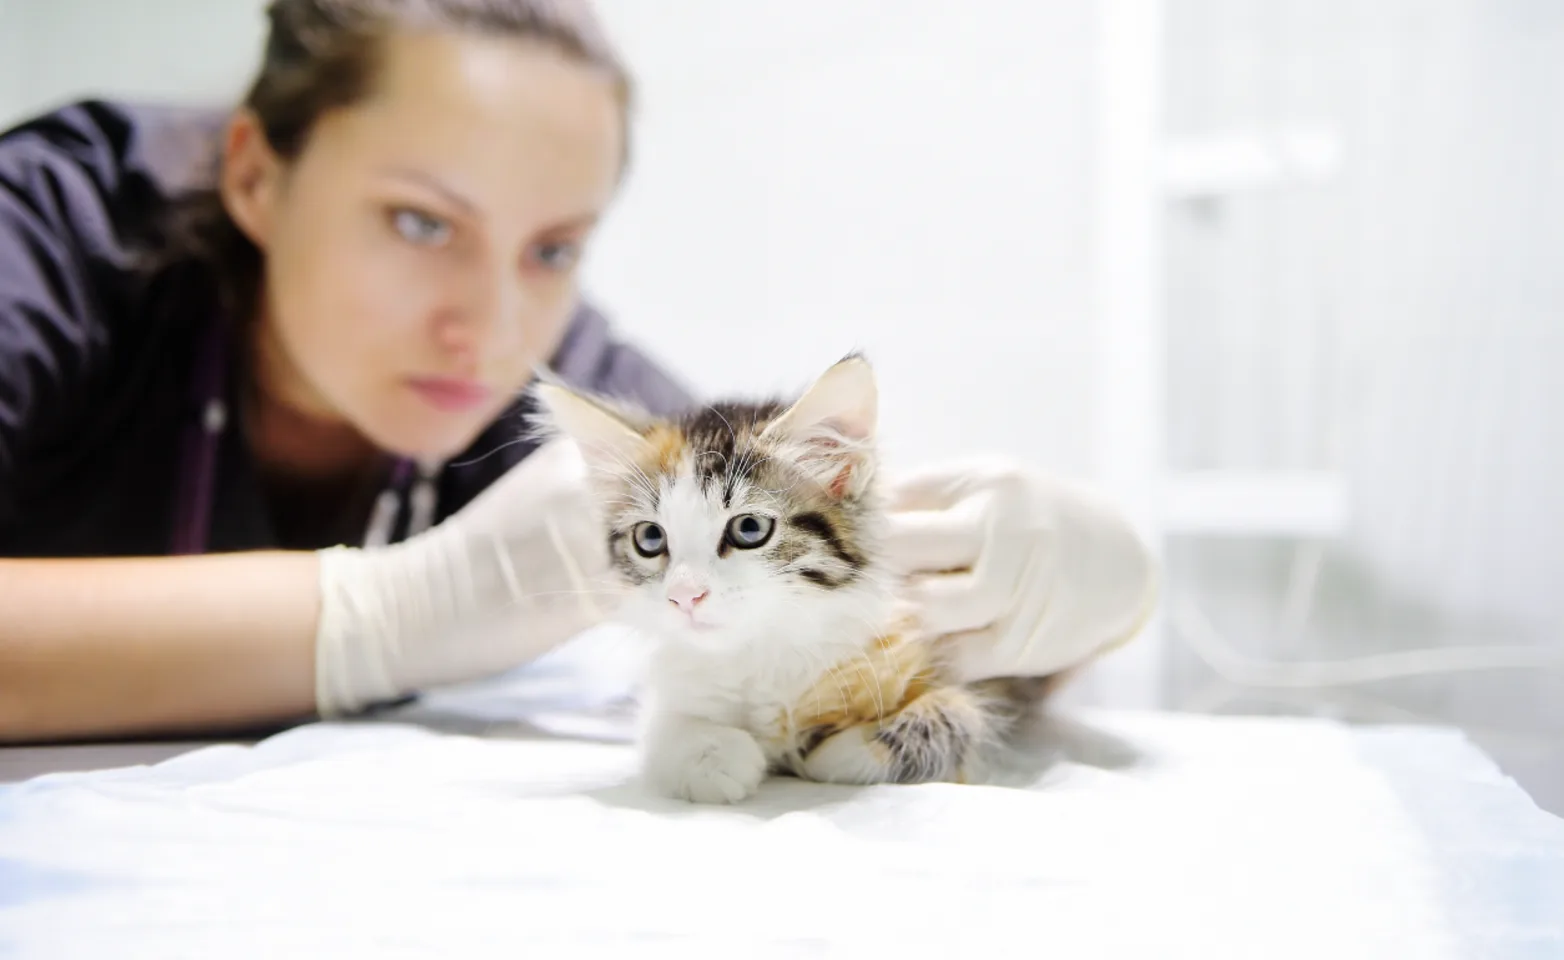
(520, 569)
(1026, 575)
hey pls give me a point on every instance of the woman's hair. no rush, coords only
(322, 55)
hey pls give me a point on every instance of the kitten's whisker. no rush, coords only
(633, 474)
(731, 432)
(873, 688)
(519, 441)
(833, 670)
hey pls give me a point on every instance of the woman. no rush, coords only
(219, 379)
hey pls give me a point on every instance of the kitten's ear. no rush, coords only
(610, 439)
(833, 427)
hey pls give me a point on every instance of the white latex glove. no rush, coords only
(1027, 575)
(495, 585)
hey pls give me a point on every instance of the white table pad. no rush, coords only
(503, 820)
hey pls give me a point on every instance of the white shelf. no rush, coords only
(1303, 504)
(1206, 167)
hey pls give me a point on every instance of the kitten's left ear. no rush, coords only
(833, 425)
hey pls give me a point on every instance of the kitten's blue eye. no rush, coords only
(558, 256)
(649, 540)
(748, 531)
(420, 228)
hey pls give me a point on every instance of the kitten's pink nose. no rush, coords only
(687, 596)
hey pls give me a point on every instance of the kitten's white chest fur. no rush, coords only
(753, 687)
(718, 720)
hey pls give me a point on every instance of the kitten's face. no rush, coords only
(740, 518)
(726, 532)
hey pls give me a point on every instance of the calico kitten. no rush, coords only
(748, 533)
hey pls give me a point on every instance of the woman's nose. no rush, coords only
(491, 313)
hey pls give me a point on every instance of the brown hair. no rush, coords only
(323, 55)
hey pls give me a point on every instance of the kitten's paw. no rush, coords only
(709, 765)
(929, 740)
(850, 756)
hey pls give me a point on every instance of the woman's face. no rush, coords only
(422, 251)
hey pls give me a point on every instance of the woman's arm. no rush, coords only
(133, 647)
(113, 647)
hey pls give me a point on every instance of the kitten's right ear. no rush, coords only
(831, 428)
(608, 438)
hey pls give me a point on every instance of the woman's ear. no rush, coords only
(250, 181)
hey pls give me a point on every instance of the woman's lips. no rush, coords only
(450, 394)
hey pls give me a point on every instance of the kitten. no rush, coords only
(748, 534)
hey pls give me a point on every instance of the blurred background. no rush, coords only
(1280, 274)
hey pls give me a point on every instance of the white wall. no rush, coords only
(54, 50)
(11, 66)
(909, 177)
(1401, 321)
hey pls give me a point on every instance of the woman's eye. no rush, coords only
(420, 228)
(750, 531)
(558, 256)
(649, 540)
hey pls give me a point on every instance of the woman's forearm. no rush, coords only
(126, 647)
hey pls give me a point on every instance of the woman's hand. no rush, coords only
(1025, 574)
(516, 572)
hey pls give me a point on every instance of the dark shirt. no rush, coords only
(97, 353)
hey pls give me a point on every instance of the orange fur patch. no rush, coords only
(891, 673)
(668, 444)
